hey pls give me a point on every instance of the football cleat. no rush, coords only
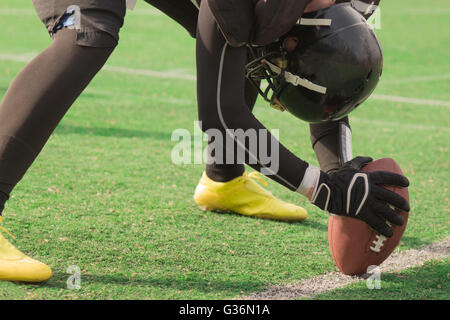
(16, 266)
(243, 195)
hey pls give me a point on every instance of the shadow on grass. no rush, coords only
(307, 223)
(205, 285)
(414, 242)
(113, 132)
(310, 223)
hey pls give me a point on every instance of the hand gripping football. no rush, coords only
(353, 244)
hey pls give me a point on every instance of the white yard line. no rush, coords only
(174, 100)
(403, 125)
(146, 12)
(17, 12)
(175, 74)
(25, 57)
(421, 11)
(187, 102)
(325, 283)
(424, 102)
(150, 73)
(415, 79)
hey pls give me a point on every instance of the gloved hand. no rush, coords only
(353, 193)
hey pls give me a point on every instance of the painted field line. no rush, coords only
(175, 74)
(403, 125)
(416, 79)
(26, 57)
(421, 11)
(146, 12)
(154, 12)
(425, 102)
(150, 73)
(321, 284)
(17, 12)
(174, 100)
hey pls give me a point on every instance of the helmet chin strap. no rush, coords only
(295, 80)
(314, 22)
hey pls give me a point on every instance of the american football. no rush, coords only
(353, 244)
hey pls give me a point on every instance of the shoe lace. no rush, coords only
(5, 230)
(255, 186)
(257, 176)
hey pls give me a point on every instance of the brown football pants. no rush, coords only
(37, 100)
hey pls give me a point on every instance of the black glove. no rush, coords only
(350, 192)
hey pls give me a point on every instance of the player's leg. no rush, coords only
(247, 196)
(38, 98)
(185, 12)
(222, 106)
(332, 143)
(227, 172)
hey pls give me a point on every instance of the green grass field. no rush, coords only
(105, 196)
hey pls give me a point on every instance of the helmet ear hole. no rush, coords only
(290, 44)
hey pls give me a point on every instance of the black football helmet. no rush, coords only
(334, 68)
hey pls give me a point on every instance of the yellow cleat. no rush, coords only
(16, 266)
(244, 196)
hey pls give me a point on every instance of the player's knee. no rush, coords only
(96, 25)
(99, 40)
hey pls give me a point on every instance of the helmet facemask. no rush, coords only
(270, 63)
(258, 69)
(334, 68)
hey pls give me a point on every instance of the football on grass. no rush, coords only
(353, 244)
